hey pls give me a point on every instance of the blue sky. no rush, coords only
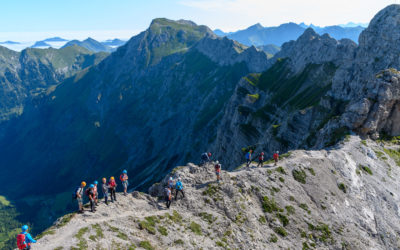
(102, 19)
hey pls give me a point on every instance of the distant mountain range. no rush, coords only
(270, 49)
(9, 42)
(55, 39)
(352, 24)
(91, 45)
(258, 35)
(113, 43)
(40, 44)
(58, 42)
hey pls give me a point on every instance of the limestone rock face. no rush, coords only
(313, 48)
(316, 90)
(228, 52)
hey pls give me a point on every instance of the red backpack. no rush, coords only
(21, 241)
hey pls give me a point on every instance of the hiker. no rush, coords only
(261, 159)
(24, 239)
(248, 157)
(218, 170)
(276, 157)
(112, 185)
(124, 179)
(91, 195)
(179, 189)
(104, 188)
(171, 183)
(78, 195)
(205, 158)
(168, 196)
(96, 194)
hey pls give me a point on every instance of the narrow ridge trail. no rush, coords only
(344, 197)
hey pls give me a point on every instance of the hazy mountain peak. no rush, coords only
(55, 39)
(256, 26)
(309, 34)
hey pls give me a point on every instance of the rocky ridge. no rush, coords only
(339, 198)
(316, 90)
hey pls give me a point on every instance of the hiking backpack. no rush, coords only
(74, 196)
(21, 241)
(168, 193)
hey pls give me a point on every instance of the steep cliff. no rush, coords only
(315, 91)
(31, 73)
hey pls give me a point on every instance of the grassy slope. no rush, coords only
(9, 225)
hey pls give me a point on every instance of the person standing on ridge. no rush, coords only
(168, 196)
(90, 194)
(205, 158)
(78, 195)
(179, 189)
(261, 160)
(96, 194)
(218, 170)
(124, 179)
(171, 183)
(248, 158)
(276, 157)
(24, 239)
(104, 188)
(112, 185)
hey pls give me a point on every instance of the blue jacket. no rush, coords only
(28, 238)
(178, 185)
(248, 156)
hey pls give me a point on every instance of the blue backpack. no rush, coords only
(74, 193)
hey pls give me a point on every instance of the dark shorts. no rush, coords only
(217, 173)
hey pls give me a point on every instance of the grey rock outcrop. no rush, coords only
(228, 52)
(344, 198)
(313, 48)
(370, 81)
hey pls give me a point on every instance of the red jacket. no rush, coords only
(112, 183)
(276, 156)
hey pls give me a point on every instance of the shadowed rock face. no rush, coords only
(329, 199)
(29, 74)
